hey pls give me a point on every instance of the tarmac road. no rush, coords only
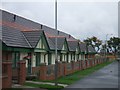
(106, 77)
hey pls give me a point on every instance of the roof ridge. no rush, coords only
(26, 40)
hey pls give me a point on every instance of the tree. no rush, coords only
(114, 44)
(94, 42)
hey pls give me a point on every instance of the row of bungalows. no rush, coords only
(28, 48)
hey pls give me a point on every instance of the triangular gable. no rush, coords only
(77, 48)
(65, 46)
(42, 43)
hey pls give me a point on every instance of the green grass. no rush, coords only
(44, 86)
(69, 79)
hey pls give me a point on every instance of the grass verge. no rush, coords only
(69, 79)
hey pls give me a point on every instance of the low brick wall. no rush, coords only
(50, 72)
(47, 72)
(83, 64)
(68, 68)
(44, 72)
(5, 82)
(76, 66)
(36, 70)
(6, 74)
(21, 72)
(60, 69)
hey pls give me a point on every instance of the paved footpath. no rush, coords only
(64, 85)
(106, 77)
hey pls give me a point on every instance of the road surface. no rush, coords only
(106, 77)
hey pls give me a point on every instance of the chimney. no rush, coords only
(58, 32)
(69, 35)
(41, 26)
(14, 18)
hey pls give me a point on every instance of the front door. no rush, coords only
(16, 58)
(38, 58)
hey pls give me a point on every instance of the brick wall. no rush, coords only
(47, 72)
(7, 74)
(69, 68)
(6, 69)
(21, 72)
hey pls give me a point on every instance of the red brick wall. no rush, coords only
(43, 70)
(68, 71)
(7, 77)
(64, 68)
(36, 70)
(21, 72)
(76, 66)
(61, 69)
(6, 56)
(6, 69)
(43, 73)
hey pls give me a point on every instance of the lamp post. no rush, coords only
(56, 58)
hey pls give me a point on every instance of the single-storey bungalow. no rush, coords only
(74, 50)
(27, 45)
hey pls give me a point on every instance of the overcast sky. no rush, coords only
(80, 19)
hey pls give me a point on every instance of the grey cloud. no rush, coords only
(80, 19)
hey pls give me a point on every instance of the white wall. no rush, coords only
(79, 56)
(72, 57)
(46, 59)
(22, 55)
(58, 57)
(83, 57)
(53, 58)
(33, 60)
(75, 57)
(42, 57)
(65, 57)
(62, 57)
(69, 57)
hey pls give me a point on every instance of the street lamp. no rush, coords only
(56, 58)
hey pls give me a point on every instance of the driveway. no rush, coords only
(106, 77)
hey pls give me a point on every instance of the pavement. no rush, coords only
(106, 77)
(35, 82)
(20, 86)
(64, 85)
